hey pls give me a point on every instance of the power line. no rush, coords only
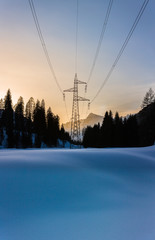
(76, 36)
(36, 21)
(99, 43)
(100, 39)
(76, 51)
(66, 111)
(34, 14)
(123, 47)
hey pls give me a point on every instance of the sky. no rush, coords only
(24, 68)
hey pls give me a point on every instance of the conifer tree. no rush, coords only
(19, 115)
(50, 127)
(8, 118)
(148, 99)
(43, 121)
(131, 132)
(62, 135)
(30, 106)
(40, 123)
(1, 104)
(19, 122)
(56, 129)
(37, 126)
(88, 139)
(118, 131)
(1, 120)
(96, 135)
(29, 113)
(107, 130)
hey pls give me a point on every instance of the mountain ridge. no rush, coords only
(90, 120)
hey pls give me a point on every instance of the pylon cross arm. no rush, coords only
(69, 90)
(82, 99)
(80, 82)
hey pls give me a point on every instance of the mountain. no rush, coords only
(89, 121)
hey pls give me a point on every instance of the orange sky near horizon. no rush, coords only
(24, 69)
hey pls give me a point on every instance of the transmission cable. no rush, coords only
(34, 14)
(36, 21)
(100, 39)
(99, 43)
(123, 47)
(76, 35)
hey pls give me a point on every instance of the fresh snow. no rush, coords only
(85, 194)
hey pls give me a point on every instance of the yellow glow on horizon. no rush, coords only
(24, 69)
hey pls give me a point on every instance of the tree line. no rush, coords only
(131, 131)
(30, 126)
(113, 132)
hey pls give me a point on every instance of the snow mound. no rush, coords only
(77, 194)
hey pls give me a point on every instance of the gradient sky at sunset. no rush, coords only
(24, 69)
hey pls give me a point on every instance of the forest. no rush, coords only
(136, 130)
(30, 126)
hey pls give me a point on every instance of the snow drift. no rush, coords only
(77, 194)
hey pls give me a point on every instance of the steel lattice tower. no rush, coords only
(75, 120)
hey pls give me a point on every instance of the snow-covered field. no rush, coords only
(93, 194)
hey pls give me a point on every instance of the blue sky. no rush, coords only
(23, 67)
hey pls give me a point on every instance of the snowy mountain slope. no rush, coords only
(77, 194)
(90, 120)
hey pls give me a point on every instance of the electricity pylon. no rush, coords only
(75, 120)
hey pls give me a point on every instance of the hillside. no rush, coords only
(146, 123)
(77, 194)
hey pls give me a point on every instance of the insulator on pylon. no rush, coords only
(64, 96)
(88, 106)
(85, 88)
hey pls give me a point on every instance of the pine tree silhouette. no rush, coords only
(8, 118)
(148, 99)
